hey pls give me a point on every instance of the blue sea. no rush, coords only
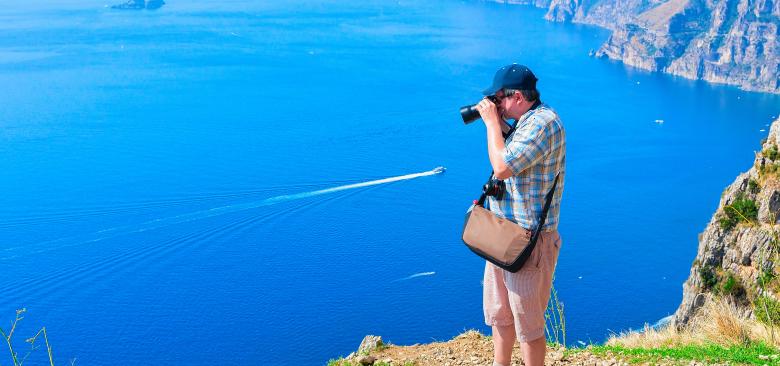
(185, 185)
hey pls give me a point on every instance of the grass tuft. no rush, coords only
(753, 354)
(767, 310)
(771, 152)
(741, 210)
(8, 337)
(719, 322)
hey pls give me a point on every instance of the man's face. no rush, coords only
(511, 107)
(504, 105)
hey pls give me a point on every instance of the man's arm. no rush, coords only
(496, 146)
(495, 139)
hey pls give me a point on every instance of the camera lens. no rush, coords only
(469, 113)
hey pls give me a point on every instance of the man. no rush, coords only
(514, 303)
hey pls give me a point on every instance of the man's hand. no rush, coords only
(489, 113)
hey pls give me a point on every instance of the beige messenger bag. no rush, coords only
(499, 240)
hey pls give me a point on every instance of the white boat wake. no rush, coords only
(198, 215)
(421, 274)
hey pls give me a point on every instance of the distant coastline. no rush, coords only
(718, 42)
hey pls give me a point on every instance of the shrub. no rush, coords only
(708, 277)
(766, 276)
(753, 186)
(771, 153)
(767, 310)
(741, 210)
(732, 286)
(767, 169)
(726, 223)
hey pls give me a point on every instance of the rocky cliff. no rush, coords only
(738, 257)
(723, 41)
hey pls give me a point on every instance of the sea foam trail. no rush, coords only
(415, 276)
(198, 215)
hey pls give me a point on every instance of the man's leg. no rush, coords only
(498, 314)
(503, 342)
(529, 290)
(533, 351)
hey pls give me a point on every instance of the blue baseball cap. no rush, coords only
(512, 76)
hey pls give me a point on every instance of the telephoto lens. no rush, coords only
(470, 113)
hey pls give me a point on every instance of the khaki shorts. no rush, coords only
(521, 298)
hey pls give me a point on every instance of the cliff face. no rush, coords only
(723, 41)
(738, 250)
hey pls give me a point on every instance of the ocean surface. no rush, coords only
(185, 186)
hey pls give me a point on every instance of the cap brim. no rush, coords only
(491, 90)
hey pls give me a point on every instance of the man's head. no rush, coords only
(515, 88)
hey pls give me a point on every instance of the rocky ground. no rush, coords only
(470, 348)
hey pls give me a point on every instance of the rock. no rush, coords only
(369, 343)
(770, 211)
(562, 10)
(556, 356)
(737, 254)
(366, 360)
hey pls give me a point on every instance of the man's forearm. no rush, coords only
(496, 146)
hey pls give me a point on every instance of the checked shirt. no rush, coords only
(535, 152)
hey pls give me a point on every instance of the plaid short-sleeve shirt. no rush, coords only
(535, 152)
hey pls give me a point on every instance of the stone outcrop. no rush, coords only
(738, 248)
(722, 41)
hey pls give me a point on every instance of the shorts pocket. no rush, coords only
(534, 261)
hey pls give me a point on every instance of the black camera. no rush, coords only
(495, 188)
(470, 113)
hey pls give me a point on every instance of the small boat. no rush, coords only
(439, 169)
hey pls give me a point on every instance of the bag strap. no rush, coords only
(547, 204)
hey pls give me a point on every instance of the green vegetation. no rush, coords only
(768, 169)
(721, 282)
(343, 362)
(767, 310)
(554, 320)
(8, 338)
(741, 210)
(752, 354)
(766, 276)
(709, 278)
(771, 153)
(753, 186)
(732, 286)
